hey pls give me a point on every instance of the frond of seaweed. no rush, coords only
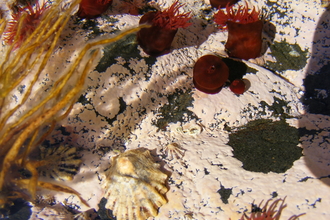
(28, 115)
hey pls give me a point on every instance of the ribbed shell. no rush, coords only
(135, 186)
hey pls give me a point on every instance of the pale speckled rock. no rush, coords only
(208, 159)
(123, 103)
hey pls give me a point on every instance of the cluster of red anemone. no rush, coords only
(211, 73)
(155, 40)
(244, 41)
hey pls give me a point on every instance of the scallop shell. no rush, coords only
(135, 186)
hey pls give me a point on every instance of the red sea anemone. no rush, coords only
(271, 212)
(29, 24)
(244, 31)
(210, 74)
(237, 86)
(93, 8)
(222, 3)
(157, 39)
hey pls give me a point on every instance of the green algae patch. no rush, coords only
(279, 109)
(266, 145)
(176, 110)
(224, 193)
(93, 27)
(125, 48)
(251, 70)
(288, 57)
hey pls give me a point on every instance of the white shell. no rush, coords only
(135, 186)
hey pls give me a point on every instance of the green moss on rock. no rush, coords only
(279, 109)
(126, 48)
(176, 109)
(288, 57)
(265, 145)
(224, 193)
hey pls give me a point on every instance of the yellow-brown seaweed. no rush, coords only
(23, 122)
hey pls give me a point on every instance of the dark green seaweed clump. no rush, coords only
(288, 57)
(224, 193)
(176, 110)
(265, 145)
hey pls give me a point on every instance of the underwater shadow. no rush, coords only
(136, 88)
(268, 36)
(315, 124)
(237, 68)
(197, 33)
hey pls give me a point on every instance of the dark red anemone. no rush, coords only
(157, 39)
(210, 74)
(244, 31)
(93, 8)
(237, 86)
(222, 3)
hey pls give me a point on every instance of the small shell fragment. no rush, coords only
(60, 163)
(174, 150)
(134, 186)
